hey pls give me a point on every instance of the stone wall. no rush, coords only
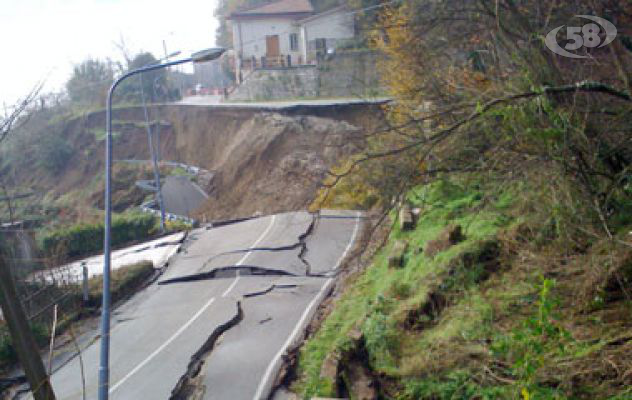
(278, 83)
(349, 74)
(352, 74)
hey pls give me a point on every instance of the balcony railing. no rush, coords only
(280, 61)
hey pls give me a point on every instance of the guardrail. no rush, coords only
(147, 207)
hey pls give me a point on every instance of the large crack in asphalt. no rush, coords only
(228, 272)
(251, 250)
(301, 244)
(189, 385)
(218, 223)
(270, 289)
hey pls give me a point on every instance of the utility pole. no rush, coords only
(152, 149)
(22, 336)
(154, 161)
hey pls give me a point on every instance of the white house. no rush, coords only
(286, 33)
(324, 31)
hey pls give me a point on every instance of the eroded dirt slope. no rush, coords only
(264, 161)
(268, 162)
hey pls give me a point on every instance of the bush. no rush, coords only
(53, 152)
(7, 352)
(124, 281)
(82, 239)
(176, 226)
(8, 356)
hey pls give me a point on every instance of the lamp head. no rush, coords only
(207, 55)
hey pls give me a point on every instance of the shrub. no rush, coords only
(124, 281)
(82, 239)
(8, 356)
(53, 152)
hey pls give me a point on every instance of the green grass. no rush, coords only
(124, 281)
(179, 171)
(456, 385)
(376, 301)
(100, 134)
(505, 315)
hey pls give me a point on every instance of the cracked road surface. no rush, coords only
(221, 317)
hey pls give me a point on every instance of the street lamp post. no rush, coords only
(104, 362)
(152, 151)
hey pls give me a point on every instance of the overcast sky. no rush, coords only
(43, 39)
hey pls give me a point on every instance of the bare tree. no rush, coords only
(11, 118)
(17, 322)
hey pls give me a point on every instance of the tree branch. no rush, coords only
(7, 123)
(439, 136)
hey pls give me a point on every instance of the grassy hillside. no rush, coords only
(516, 282)
(500, 311)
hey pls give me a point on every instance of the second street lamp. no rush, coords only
(152, 150)
(104, 361)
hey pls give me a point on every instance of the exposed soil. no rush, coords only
(272, 162)
(264, 161)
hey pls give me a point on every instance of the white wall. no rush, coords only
(254, 32)
(334, 26)
(249, 36)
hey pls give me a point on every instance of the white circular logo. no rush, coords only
(582, 36)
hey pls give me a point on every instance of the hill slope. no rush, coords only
(483, 305)
(263, 161)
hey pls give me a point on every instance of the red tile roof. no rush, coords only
(277, 7)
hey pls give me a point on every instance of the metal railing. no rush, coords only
(279, 61)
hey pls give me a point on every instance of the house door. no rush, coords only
(272, 46)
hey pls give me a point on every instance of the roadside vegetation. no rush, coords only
(125, 281)
(52, 191)
(484, 305)
(516, 281)
(55, 148)
(85, 239)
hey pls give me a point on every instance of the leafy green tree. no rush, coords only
(155, 85)
(90, 82)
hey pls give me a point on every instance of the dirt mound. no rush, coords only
(275, 162)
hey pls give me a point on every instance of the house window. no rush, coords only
(293, 41)
(320, 44)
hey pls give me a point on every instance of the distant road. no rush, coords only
(258, 282)
(215, 101)
(181, 195)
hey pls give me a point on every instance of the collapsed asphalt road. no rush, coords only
(221, 317)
